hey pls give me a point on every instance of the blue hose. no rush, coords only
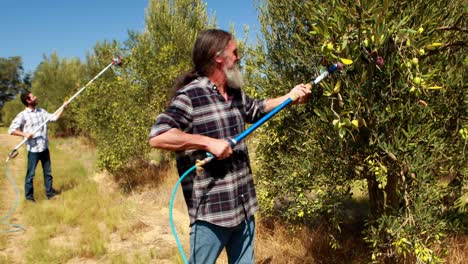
(5, 217)
(171, 217)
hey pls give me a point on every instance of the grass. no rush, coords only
(80, 209)
(79, 222)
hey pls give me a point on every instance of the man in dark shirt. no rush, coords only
(208, 109)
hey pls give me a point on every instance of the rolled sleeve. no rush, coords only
(254, 109)
(17, 123)
(178, 115)
(163, 124)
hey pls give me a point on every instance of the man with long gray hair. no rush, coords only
(208, 109)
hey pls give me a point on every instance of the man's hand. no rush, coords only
(220, 148)
(176, 140)
(27, 135)
(299, 94)
(57, 114)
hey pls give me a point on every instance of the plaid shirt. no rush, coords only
(224, 193)
(29, 120)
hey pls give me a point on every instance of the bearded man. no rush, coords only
(24, 124)
(209, 109)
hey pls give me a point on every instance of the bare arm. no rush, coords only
(21, 134)
(175, 140)
(57, 115)
(299, 94)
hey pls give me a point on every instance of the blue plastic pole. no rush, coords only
(262, 120)
(280, 107)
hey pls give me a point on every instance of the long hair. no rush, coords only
(209, 43)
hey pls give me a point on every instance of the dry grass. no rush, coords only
(277, 242)
(82, 215)
(149, 187)
(92, 226)
(457, 249)
(142, 174)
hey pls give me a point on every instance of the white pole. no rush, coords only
(14, 151)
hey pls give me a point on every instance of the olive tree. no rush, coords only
(123, 103)
(394, 118)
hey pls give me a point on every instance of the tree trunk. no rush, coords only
(380, 200)
(376, 197)
(391, 192)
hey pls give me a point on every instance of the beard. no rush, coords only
(34, 103)
(234, 77)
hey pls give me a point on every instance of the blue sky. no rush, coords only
(33, 28)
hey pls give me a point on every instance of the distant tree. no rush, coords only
(55, 80)
(120, 107)
(11, 79)
(10, 110)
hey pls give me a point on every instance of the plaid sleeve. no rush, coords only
(254, 109)
(177, 115)
(17, 123)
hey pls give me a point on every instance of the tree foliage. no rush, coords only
(121, 106)
(112, 110)
(11, 109)
(56, 80)
(12, 79)
(394, 118)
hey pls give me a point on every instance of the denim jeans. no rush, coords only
(33, 159)
(208, 240)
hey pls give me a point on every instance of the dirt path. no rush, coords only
(147, 230)
(15, 241)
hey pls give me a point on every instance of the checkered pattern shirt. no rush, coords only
(224, 193)
(29, 120)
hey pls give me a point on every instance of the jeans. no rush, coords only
(208, 240)
(33, 159)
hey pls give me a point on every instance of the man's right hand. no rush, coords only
(28, 136)
(220, 148)
(176, 140)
